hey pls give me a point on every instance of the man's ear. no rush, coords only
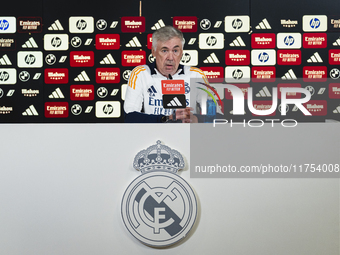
(153, 52)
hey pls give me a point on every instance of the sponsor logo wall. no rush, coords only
(75, 68)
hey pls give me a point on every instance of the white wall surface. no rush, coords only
(61, 188)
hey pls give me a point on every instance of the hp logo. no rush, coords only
(81, 24)
(237, 24)
(314, 23)
(237, 74)
(263, 57)
(186, 58)
(30, 59)
(4, 76)
(107, 109)
(289, 40)
(211, 41)
(56, 42)
(4, 24)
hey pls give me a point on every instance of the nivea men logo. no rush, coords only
(8, 76)
(312, 23)
(237, 74)
(7, 25)
(236, 24)
(190, 58)
(211, 41)
(107, 109)
(30, 59)
(81, 24)
(56, 42)
(263, 57)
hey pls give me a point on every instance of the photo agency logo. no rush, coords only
(159, 208)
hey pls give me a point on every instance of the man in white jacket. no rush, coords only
(143, 99)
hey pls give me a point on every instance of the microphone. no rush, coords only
(170, 77)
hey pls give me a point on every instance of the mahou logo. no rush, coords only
(56, 75)
(289, 57)
(56, 109)
(133, 58)
(213, 73)
(108, 75)
(107, 41)
(237, 57)
(289, 95)
(263, 74)
(315, 40)
(334, 57)
(314, 73)
(81, 58)
(263, 41)
(82, 92)
(186, 24)
(334, 90)
(316, 107)
(133, 24)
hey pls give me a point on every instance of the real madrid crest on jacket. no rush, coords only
(159, 208)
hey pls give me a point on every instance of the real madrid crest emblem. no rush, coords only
(159, 208)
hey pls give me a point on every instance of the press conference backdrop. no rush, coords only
(69, 62)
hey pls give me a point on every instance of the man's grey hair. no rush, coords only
(166, 33)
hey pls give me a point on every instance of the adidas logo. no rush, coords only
(263, 25)
(264, 92)
(82, 77)
(174, 102)
(56, 94)
(30, 111)
(114, 24)
(237, 42)
(56, 26)
(152, 91)
(211, 59)
(315, 58)
(5, 61)
(158, 25)
(337, 110)
(218, 24)
(30, 44)
(337, 42)
(290, 75)
(108, 60)
(133, 43)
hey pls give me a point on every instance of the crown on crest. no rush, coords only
(158, 157)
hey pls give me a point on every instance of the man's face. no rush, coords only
(168, 55)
